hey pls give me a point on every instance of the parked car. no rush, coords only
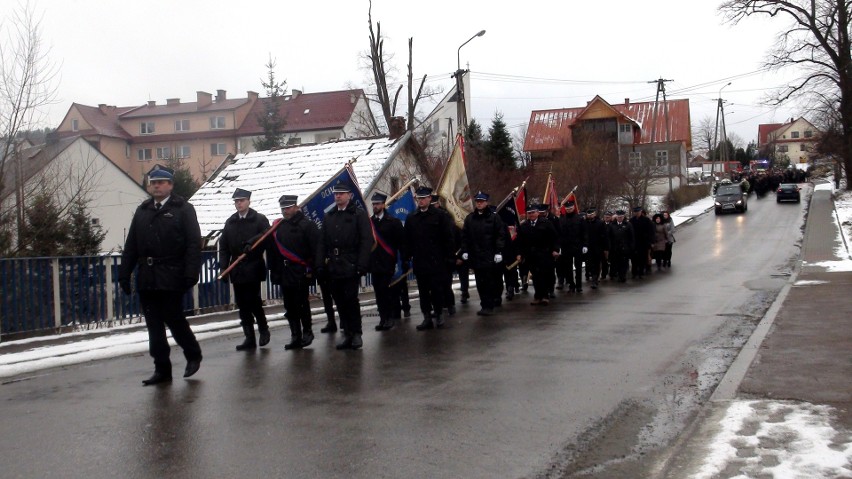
(731, 198)
(788, 192)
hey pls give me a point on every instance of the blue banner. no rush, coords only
(323, 200)
(403, 205)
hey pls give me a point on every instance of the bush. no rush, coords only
(685, 195)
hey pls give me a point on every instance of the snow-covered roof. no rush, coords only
(297, 170)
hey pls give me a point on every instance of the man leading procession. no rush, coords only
(483, 241)
(389, 238)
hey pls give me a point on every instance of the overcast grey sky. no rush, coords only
(126, 53)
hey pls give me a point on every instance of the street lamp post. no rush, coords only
(719, 107)
(460, 104)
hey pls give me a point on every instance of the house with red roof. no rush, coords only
(660, 137)
(793, 141)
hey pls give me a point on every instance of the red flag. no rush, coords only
(551, 197)
(521, 202)
(572, 198)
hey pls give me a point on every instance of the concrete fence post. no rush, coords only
(57, 299)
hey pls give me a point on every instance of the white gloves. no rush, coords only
(498, 258)
(464, 256)
(585, 250)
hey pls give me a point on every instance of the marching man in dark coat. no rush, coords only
(431, 247)
(389, 237)
(620, 246)
(598, 246)
(539, 247)
(164, 246)
(291, 261)
(483, 241)
(344, 253)
(574, 242)
(241, 230)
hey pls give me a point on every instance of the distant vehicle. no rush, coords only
(788, 192)
(730, 198)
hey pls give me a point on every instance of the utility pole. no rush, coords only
(720, 110)
(461, 108)
(661, 88)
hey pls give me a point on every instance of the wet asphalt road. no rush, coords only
(505, 396)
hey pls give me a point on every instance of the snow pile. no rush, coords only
(843, 212)
(778, 439)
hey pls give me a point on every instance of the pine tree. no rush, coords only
(498, 147)
(85, 237)
(184, 184)
(271, 120)
(45, 231)
(473, 136)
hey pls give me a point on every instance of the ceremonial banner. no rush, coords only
(572, 198)
(321, 201)
(509, 214)
(551, 197)
(521, 201)
(402, 206)
(453, 188)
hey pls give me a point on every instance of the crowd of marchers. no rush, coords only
(556, 252)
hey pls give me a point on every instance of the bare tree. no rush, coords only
(26, 86)
(702, 134)
(817, 42)
(591, 164)
(524, 157)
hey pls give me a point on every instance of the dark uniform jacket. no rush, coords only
(300, 237)
(237, 234)
(165, 244)
(596, 231)
(643, 232)
(390, 230)
(483, 236)
(621, 237)
(538, 243)
(345, 243)
(572, 233)
(429, 240)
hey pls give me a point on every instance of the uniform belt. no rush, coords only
(338, 252)
(150, 260)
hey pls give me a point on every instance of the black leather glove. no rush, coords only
(125, 286)
(247, 247)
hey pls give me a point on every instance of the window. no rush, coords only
(181, 125)
(808, 133)
(146, 128)
(625, 128)
(183, 151)
(635, 159)
(75, 125)
(803, 147)
(217, 122)
(126, 150)
(217, 149)
(295, 140)
(783, 148)
(662, 158)
(164, 153)
(96, 221)
(794, 134)
(143, 154)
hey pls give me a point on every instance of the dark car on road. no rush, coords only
(730, 198)
(788, 192)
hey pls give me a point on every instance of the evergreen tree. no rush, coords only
(185, 184)
(473, 143)
(45, 232)
(498, 147)
(271, 120)
(85, 237)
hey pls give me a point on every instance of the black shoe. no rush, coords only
(485, 312)
(551, 295)
(426, 324)
(192, 367)
(451, 310)
(247, 345)
(307, 338)
(560, 286)
(406, 313)
(571, 288)
(595, 285)
(356, 341)
(295, 343)
(439, 321)
(579, 290)
(157, 378)
(509, 296)
(329, 328)
(464, 297)
(384, 325)
(264, 338)
(524, 287)
(346, 343)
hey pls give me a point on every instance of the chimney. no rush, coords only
(152, 103)
(221, 96)
(396, 128)
(103, 107)
(295, 94)
(352, 98)
(252, 95)
(626, 101)
(172, 101)
(204, 99)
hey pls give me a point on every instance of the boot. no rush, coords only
(426, 324)
(356, 341)
(295, 343)
(157, 378)
(485, 312)
(346, 342)
(264, 337)
(307, 338)
(439, 321)
(384, 324)
(331, 327)
(249, 343)
(464, 297)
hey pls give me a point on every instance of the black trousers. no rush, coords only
(384, 294)
(298, 308)
(161, 309)
(431, 287)
(464, 277)
(401, 303)
(618, 264)
(449, 296)
(575, 259)
(345, 294)
(542, 279)
(639, 262)
(327, 300)
(488, 285)
(510, 278)
(593, 264)
(668, 256)
(250, 304)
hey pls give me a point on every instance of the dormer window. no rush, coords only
(75, 125)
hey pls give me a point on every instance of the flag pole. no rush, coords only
(562, 203)
(402, 190)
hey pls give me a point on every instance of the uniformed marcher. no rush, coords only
(539, 247)
(643, 236)
(164, 246)
(383, 260)
(291, 265)
(431, 248)
(460, 267)
(620, 246)
(344, 253)
(483, 241)
(240, 232)
(596, 230)
(574, 243)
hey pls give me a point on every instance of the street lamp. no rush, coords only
(461, 111)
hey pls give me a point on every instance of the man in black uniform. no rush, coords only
(596, 231)
(643, 236)
(460, 267)
(344, 253)
(241, 230)
(483, 240)
(164, 241)
(574, 243)
(605, 265)
(389, 236)
(538, 245)
(291, 259)
(429, 244)
(620, 246)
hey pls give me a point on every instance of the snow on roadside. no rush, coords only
(779, 439)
